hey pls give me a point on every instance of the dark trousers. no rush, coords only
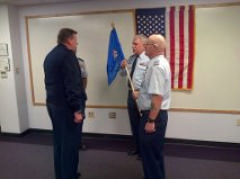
(80, 143)
(66, 140)
(134, 117)
(152, 146)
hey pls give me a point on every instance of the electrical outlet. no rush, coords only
(112, 115)
(91, 114)
(238, 122)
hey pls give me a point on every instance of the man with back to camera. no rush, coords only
(154, 101)
(136, 65)
(65, 102)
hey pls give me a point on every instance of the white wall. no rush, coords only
(204, 126)
(18, 67)
(182, 125)
(9, 119)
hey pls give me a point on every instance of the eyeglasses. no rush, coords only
(149, 44)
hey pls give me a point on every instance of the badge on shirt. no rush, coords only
(143, 64)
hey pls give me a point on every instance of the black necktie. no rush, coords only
(133, 68)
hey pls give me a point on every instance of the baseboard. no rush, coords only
(12, 134)
(85, 134)
(202, 143)
(39, 131)
(128, 137)
(26, 132)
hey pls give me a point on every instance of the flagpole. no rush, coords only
(129, 78)
(113, 25)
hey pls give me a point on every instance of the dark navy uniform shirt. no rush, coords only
(62, 82)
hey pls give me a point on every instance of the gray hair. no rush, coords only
(142, 38)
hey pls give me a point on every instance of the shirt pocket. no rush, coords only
(142, 66)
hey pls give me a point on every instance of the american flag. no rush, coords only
(177, 24)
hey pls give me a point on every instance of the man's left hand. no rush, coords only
(150, 127)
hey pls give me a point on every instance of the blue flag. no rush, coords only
(115, 56)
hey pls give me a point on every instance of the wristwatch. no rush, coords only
(151, 120)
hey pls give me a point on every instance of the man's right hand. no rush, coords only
(78, 117)
(124, 64)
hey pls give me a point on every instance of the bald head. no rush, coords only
(158, 45)
(159, 41)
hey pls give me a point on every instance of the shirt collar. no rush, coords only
(142, 54)
(156, 59)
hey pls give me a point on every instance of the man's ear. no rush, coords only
(67, 41)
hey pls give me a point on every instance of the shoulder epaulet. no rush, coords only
(80, 59)
(132, 56)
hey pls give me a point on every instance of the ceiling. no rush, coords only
(37, 2)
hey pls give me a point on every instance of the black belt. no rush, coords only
(132, 90)
(146, 111)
